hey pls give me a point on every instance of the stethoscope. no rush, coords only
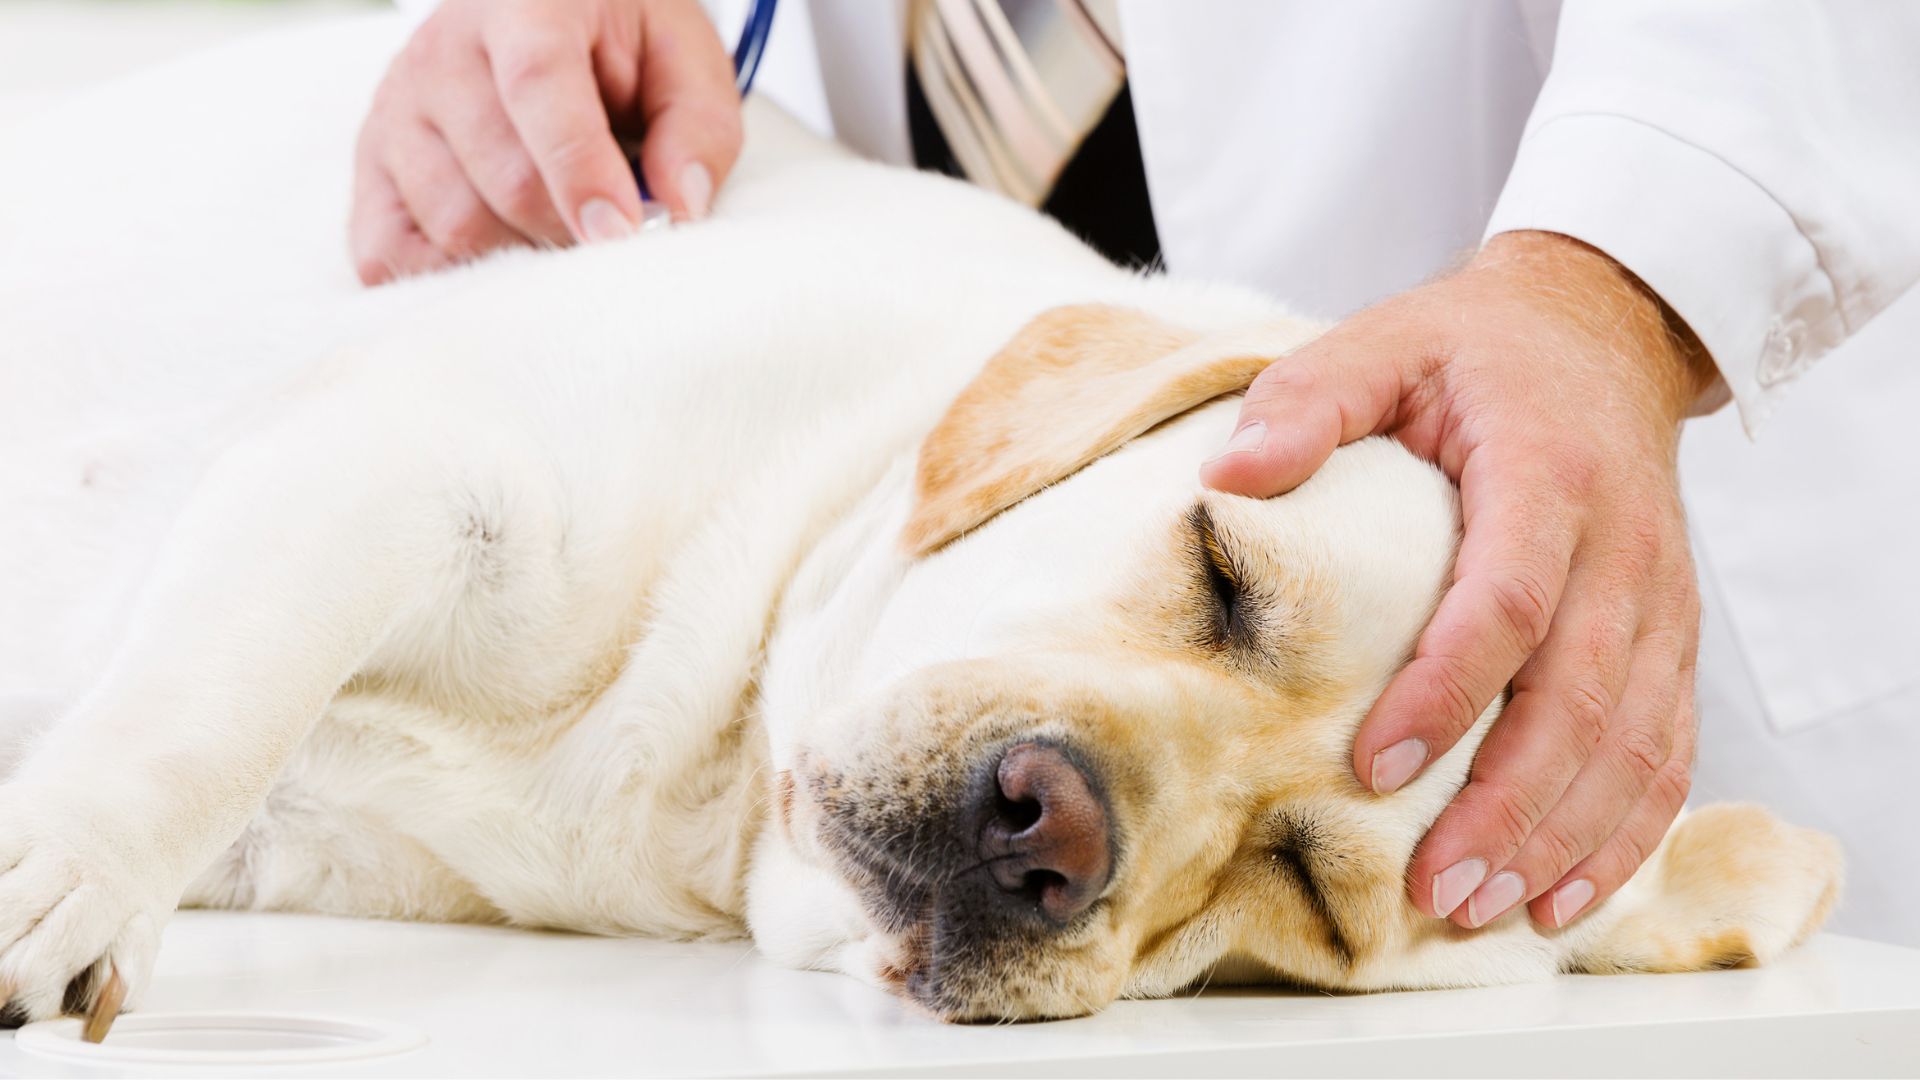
(747, 52)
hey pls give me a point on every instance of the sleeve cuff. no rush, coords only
(1713, 244)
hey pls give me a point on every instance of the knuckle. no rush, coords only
(1612, 868)
(389, 99)
(1644, 750)
(525, 60)
(573, 153)
(1513, 821)
(521, 15)
(422, 47)
(430, 45)
(1585, 707)
(1452, 685)
(1554, 850)
(1514, 811)
(1524, 603)
(1623, 853)
(1283, 380)
(1635, 847)
(1690, 610)
(1665, 644)
(518, 190)
(1671, 784)
(1603, 643)
(457, 224)
(1642, 539)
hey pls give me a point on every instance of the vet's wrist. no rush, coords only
(1582, 284)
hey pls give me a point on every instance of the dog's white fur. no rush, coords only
(515, 610)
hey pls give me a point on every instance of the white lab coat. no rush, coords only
(1758, 164)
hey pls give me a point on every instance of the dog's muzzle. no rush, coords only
(1018, 851)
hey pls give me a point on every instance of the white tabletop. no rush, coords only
(498, 1002)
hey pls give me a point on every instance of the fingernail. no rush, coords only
(1396, 765)
(1491, 902)
(1455, 883)
(1570, 899)
(696, 189)
(601, 220)
(1247, 440)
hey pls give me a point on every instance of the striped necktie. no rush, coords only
(1017, 85)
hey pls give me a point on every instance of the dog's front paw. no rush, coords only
(79, 919)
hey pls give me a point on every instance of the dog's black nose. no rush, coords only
(1047, 836)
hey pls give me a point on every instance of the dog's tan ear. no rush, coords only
(1073, 384)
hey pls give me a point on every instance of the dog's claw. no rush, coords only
(106, 1007)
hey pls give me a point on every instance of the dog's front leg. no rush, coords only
(303, 548)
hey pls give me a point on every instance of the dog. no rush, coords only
(834, 572)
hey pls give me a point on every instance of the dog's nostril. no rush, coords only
(1046, 838)
(1018, 815)
(1035, 884)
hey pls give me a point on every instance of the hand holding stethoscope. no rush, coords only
(499, 124)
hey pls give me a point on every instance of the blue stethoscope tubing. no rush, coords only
(747, 53)
(752, 44)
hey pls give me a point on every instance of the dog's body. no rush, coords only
(682, 586)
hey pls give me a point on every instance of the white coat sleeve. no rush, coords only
(1756, 164)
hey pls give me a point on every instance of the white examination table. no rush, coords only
(494, 1002)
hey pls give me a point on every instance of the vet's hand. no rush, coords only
(496, 126)
(1545, 381)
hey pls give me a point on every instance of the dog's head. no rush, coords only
(1087, 732)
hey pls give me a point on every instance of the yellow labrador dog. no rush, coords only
(832, 572)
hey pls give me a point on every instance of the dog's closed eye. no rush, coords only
(1298, 851)
(1226, 619)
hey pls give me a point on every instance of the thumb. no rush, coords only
(1299, 409)
(691, 109)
